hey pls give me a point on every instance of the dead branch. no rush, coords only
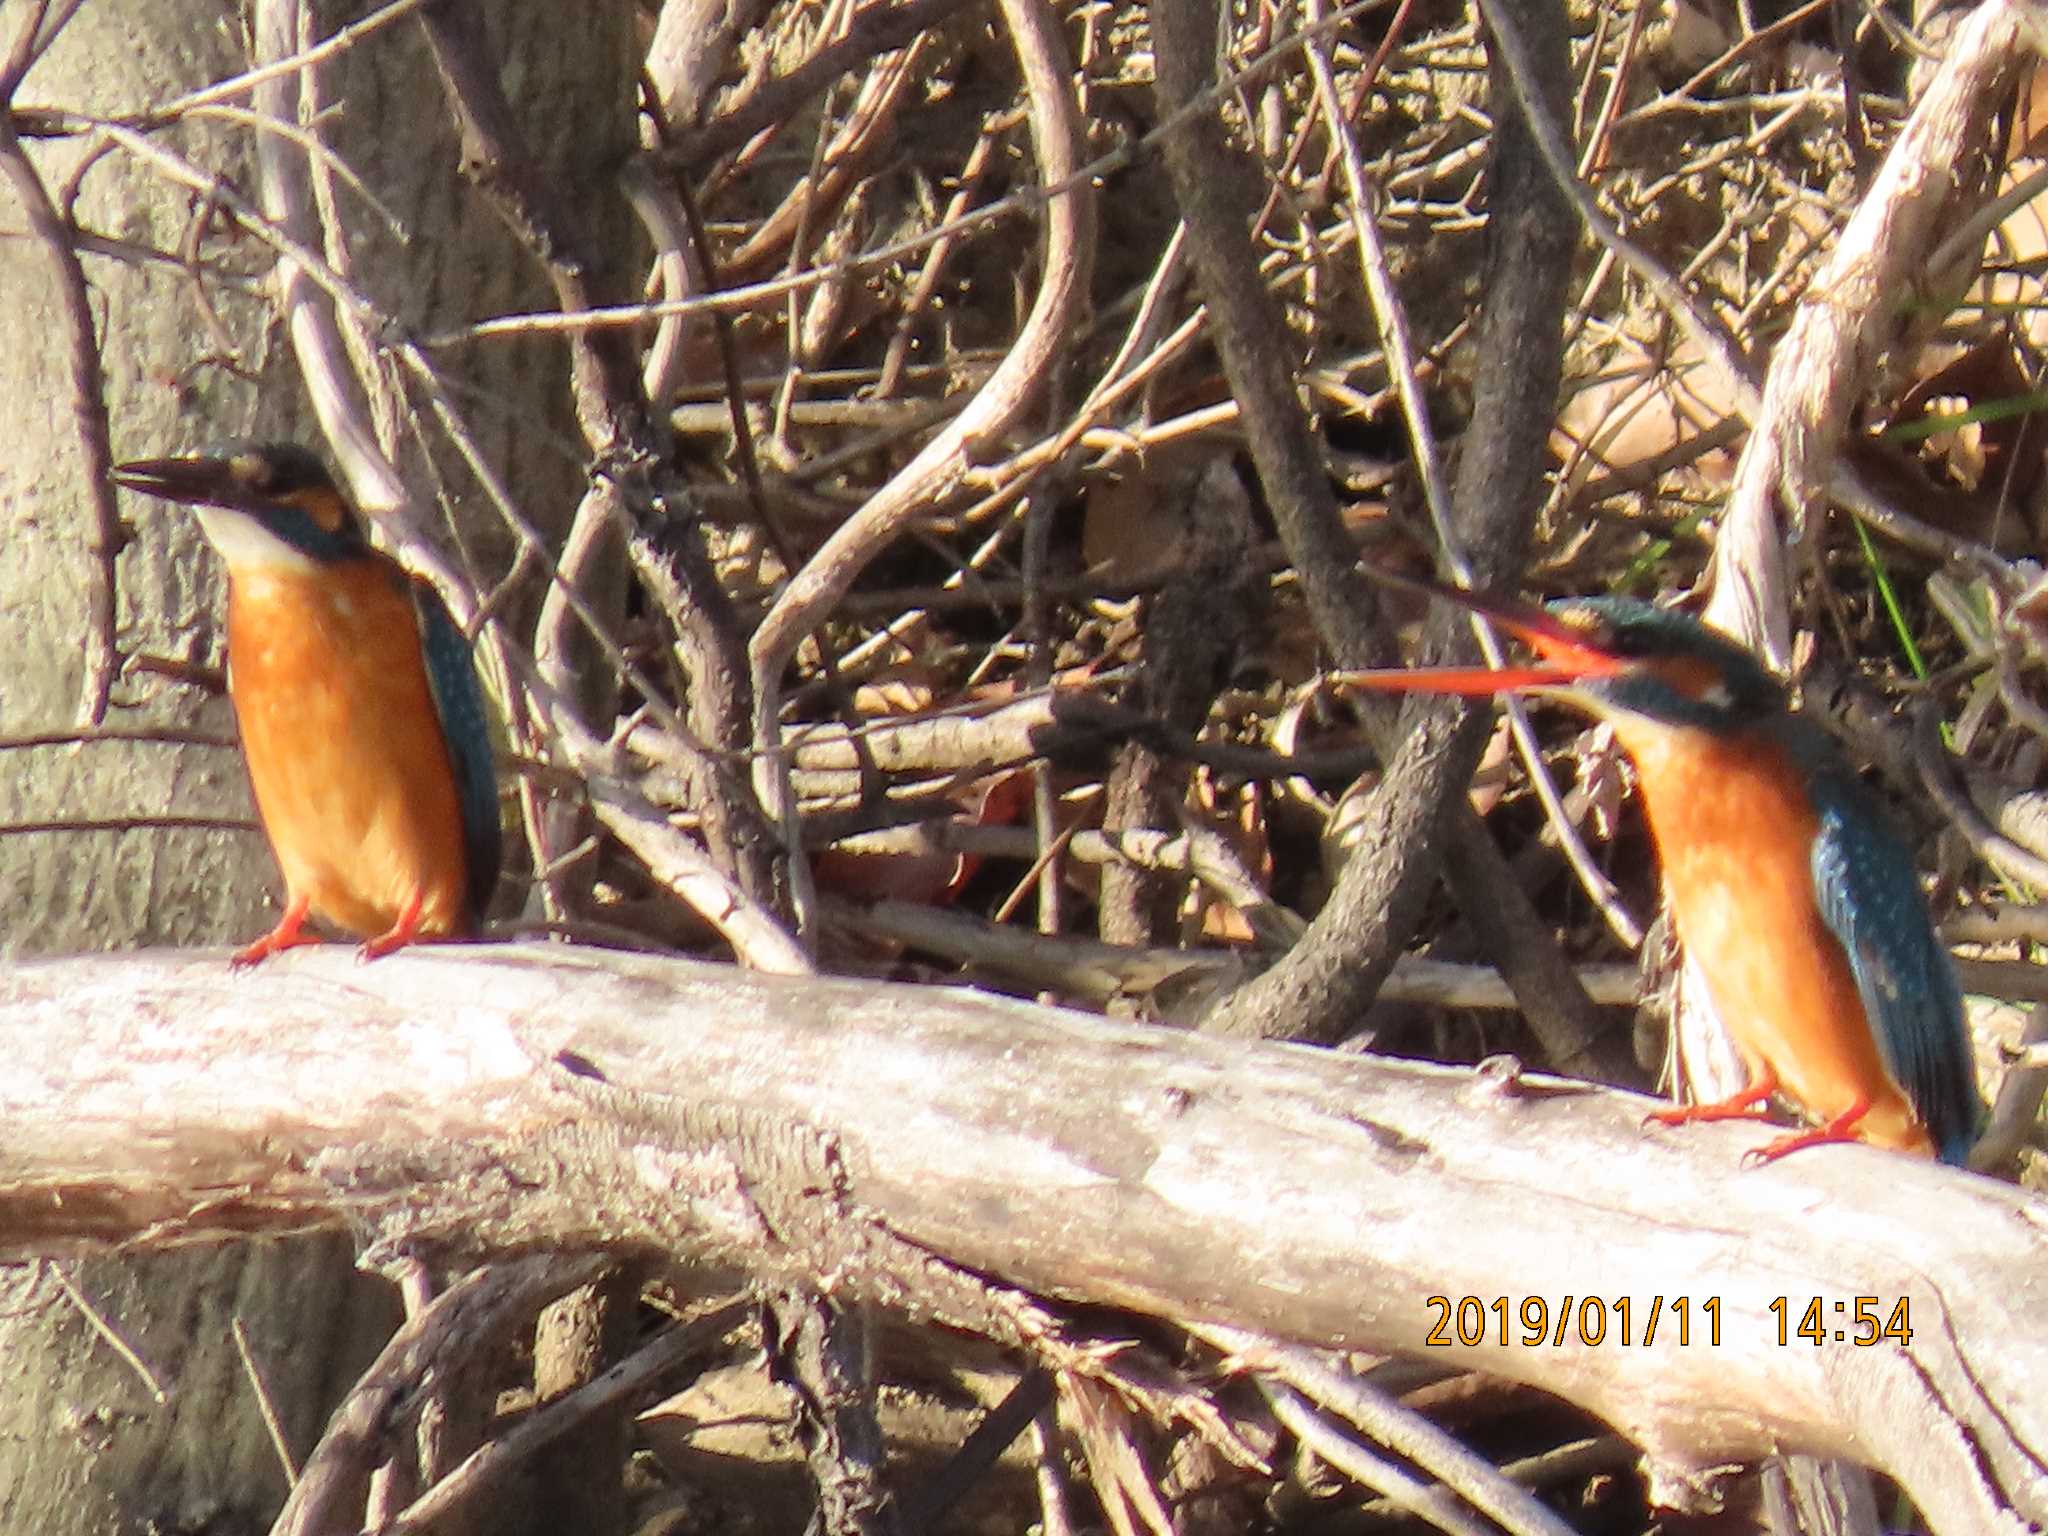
(490, 1467)
(618, 426)
(1351, 946)
(940, 465)
(924, 1147)
(88, 386)
(474, 1313)
(1849, 315)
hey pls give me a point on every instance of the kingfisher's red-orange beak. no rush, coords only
(1573, 655)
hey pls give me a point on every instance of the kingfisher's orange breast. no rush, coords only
(1735, 832)
(352, 774)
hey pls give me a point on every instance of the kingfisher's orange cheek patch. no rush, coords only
(323, 507)
(1692, 677)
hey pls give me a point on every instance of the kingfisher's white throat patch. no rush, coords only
(247, 545)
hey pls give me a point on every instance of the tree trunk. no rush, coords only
(84, 1446)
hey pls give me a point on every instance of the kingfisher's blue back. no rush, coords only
(1797, 906)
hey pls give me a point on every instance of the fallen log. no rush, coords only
(978, 1160)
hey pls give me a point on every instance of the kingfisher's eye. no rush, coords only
(1593, 630)
(1629, 642)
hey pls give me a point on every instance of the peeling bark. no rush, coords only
(958, 1157)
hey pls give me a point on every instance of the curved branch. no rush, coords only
(104, 537)
(1848, 315)
(1323, 984)
(308, 308)
(944, 461)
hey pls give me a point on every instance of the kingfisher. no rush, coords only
(357, 701)
(1795, 902)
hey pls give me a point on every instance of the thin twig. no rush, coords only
(999, 1428)
(2017, 1109)
(940, 465)
(632, 1379)
(874, 29)
(266, 1405)
(1400, 1429)
(1083, 970)
(104, 537)
(473, 1314)
(106, 1330)
(1962, 812)
(1369, 1469)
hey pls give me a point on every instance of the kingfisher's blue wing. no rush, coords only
(459, 700)
(1871, 901)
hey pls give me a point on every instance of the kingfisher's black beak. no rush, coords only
(1573, 654)
(200, 480)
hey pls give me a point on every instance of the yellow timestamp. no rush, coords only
(1860, 1321)
(1586, 1320)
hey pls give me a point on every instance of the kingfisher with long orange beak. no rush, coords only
(1796, 904)
(357, 701)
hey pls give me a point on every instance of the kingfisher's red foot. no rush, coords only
(1746, 1105)
(285, 935)
(402, 932)
(1841, 1128)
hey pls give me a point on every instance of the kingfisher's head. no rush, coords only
(1611, 657)
(260, 504)
(1655, 663)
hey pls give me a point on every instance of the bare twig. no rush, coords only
(100, 1325)
(998, 1429)
(822, 1354)
(2017, 1109)
(1103, 1427)
(104, 537)
(1081, 970)
(1053, 1510)
(619, 429)
(693, 42)
(1371, 1469)
(683, 867)
(1401, 1430)
(471, 1314)
(875, 28)
(942, 463)
(836, 167)
(927, 281)
(1962, 812)
(1849, 316)
(632, 1380)
(266, 1404)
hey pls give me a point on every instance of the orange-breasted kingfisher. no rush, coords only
(357, 702)
(1794, 901)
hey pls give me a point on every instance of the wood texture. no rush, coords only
(927, 1149)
